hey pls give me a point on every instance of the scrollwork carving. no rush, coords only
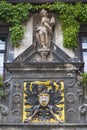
(7, 83)
(3, 110)
(83, 109)
(83, 112)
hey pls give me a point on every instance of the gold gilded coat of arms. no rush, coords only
(43, 101)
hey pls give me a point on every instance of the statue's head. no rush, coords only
(44, 12)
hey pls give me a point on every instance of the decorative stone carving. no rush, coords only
(17, 98)
(70, 97)
(17, 86)
(80, 88)
(70, 83)
(44, 53)
(16, 112)
(6, 85)
(3, 110)
(80, 95)
(71, 111)
(83, 112)
(43, 101)
(16, 101)
(71, 115)
(79, 78)
(83, 109)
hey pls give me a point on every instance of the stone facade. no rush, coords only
(55, 64)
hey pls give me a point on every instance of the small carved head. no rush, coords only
(43, 12)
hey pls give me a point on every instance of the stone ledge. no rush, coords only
(22, 126)
(44, 124)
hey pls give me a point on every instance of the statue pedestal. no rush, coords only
(44, 52)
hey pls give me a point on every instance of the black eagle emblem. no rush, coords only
(43, 101)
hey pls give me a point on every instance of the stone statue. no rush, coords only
(43, 31)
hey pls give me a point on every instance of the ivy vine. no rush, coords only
(70, 16)
(14, 15)
(84, 78)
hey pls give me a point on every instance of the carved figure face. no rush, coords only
(44, 99)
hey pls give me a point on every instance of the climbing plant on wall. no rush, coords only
(14, 15)
(70, 16)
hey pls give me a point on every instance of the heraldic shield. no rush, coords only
(43, 101)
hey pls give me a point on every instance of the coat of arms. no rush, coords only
(43, 101)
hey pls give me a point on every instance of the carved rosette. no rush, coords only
(70, 97)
